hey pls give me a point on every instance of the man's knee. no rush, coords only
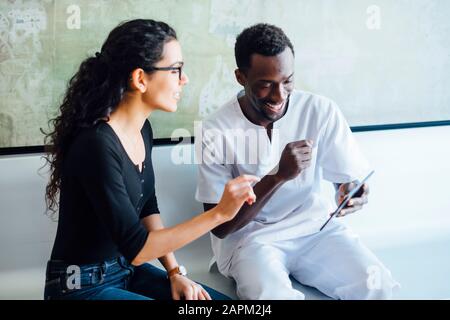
(377, 284)
(268, 292)
(265, 284)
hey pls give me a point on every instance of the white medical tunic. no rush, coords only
(297, 208)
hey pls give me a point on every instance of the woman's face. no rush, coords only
(164, 87)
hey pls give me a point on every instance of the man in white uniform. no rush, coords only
(304, 139)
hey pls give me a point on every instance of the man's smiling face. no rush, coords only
(268, 83)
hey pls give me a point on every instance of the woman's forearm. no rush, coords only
(161, 242)
(154, 222)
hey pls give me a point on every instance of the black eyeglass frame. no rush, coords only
(179, 68)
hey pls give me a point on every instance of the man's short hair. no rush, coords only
(262, 38)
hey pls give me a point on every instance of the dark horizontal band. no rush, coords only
(394, 126)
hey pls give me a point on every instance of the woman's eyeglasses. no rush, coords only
(178, 68)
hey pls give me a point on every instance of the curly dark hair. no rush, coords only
(261, 38)
(98, 86)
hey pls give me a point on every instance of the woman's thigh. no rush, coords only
(152, 282)
(111, 293)
(112, 290)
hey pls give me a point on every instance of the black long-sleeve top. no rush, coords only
(103, 196)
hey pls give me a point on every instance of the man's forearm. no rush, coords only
(264, 191)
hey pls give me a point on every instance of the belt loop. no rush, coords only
(103, 270)
(126, 265)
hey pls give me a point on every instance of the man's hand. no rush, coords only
(358, 200)
(183, 287)
(295, 158)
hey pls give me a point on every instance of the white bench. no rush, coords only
(406, 223)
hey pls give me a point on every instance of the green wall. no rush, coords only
(388, 63)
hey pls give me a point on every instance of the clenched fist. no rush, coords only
(295, 158)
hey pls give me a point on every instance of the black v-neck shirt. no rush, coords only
(103, 196)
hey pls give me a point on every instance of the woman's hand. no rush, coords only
(183, 287)
(235, 193)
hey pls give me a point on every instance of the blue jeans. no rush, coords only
(115, 279)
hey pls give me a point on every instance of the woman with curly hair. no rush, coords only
(101, 170)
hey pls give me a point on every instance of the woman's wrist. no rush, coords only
(175, 277)
(216, 215)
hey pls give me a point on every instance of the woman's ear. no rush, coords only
(138, 80)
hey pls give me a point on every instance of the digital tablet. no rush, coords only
(347, 198)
